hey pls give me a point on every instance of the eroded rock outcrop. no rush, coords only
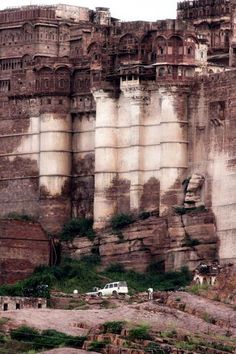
(170, 242)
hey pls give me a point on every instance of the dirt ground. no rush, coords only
(196, 317)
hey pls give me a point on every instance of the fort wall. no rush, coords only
(24, 246)
(99, 117)
(212, 152)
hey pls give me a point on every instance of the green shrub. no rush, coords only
(181, 210)
(12, 289)
(119, 221)
(144, 215)
(77, 227)
(24, 333)
(115, 268)
(157, 267)
(208, 318)
(140, 332)
(113, 327)
(92, 260)
(24, 217)
(155, 348)
(2, 338)
(97, 346)
(49, 338)
(191, 242)
(169, 334)
(222, 347)
(75, 342)
(82, 275)
(197, 289)
(120, 236)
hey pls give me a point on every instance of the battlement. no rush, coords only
(49, 12)
(198, 9)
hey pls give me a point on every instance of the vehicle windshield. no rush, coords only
(122, 283)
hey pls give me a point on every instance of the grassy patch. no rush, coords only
(84, 276)
(138, 282)
(77, 227)
(144, 215)
(191, 242)
(169, 334)
(140, 332)
(98, 346)
(119, 221)
(197, 344)
(113, 327)
(155, 348)
(23, 217)
(181, 210)
(198, 289)
(208, 318)
(46, 339)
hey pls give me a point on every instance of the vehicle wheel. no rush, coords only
(114, 293)
(99, 294)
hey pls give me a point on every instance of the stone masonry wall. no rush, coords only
(212, 149)
(23, 246)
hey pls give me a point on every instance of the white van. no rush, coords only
(119, 287)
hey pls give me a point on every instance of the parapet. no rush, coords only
(198, 9)
(56, 12)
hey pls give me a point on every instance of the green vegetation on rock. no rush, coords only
(46, 339)
(119, 221)
(140, 332)
(84, 275)
(82, 227)
(113, 327)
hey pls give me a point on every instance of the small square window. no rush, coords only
(60, 101)
(49, 101)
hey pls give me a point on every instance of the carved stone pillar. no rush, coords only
(105, 157)
(138, 96)
(174, 146)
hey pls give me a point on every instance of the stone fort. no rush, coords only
(100, 116)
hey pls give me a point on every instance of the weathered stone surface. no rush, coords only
(23, 247)
(175, 246)
(198, 218)
(114, 249)
(177, 232)
(175, 221)
(202, 233)
(75, 142)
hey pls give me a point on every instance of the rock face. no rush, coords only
(193, 192)
(192, 239)
(79, 247)
(171, 243)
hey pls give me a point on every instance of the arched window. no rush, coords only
(175, 47)
(189, 50)
(161, 72)
(161, 48)
(128, 43)
(146, 48)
